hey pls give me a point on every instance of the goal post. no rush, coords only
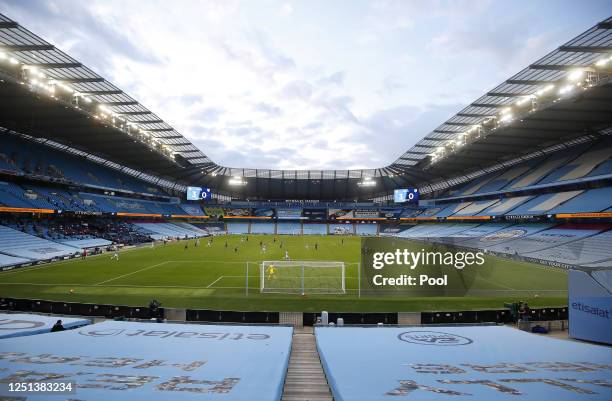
(302, 277)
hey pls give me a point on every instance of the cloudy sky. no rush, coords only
(306, 84)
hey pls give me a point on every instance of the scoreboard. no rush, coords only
(198, 193)
(410, 195)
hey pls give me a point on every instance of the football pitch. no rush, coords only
(215, 277)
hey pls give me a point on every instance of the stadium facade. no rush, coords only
(559, 99)
(523, 172)
(523, 175)
(535, 149)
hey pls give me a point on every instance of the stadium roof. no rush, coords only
(46, 93)
(540, 82)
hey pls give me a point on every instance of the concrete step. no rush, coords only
(305, 379)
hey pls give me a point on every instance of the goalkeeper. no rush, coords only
(271, 270)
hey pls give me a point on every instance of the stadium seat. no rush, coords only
(151, 361)
(22, 245)
(441, 362)
(262, 228)
(237, 228)
(543, 239)
(23, 324)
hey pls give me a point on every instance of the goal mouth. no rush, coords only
(302, 277)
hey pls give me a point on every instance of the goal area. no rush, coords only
(302, 277)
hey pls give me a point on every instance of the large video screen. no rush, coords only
(197, 193)
(406, 195)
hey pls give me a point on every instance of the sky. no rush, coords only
(340, 84)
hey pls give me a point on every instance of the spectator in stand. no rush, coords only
(524, 312)
(58, 326)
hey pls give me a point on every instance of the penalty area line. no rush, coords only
(211, 284)
(130, 273)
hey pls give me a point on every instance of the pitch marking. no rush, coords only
(129, 274)
(211, 284)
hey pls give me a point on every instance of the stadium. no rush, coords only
(476, 265)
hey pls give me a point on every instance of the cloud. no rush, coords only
(337, 78)
(347, 86)
(267, 109)
(301, 90)
(110, 37)
(286, 10)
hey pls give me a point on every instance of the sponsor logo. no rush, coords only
(592, 310)
(174, 334)
(101, 333)
(433, 338)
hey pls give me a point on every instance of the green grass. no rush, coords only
(214, 278)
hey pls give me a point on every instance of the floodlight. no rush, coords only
(603, 61)
(236, 181)
(367, 182)
(523, 100)
(575, 75)
(104, 109)
(545, 89)
(566, 89)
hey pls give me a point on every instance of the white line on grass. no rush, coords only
(58, 263)
(130, 273)
(255, 261)
(211, 284)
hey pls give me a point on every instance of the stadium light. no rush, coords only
(236, 181)
(104, 109)
(367, 182)
(506, 117)
(34, 71)
(545, 89)
(524, 100)
(575, 75)
(603, 62)
(65, 87)
(13, 61)
(566, 89)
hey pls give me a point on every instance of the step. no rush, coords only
(305, 379)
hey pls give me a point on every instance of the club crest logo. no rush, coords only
(101, 333)
(13, 324)
(433, 338)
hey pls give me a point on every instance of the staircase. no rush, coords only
(305, 379)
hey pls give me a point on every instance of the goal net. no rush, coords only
(302, 277)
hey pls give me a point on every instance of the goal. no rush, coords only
(302, 277)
